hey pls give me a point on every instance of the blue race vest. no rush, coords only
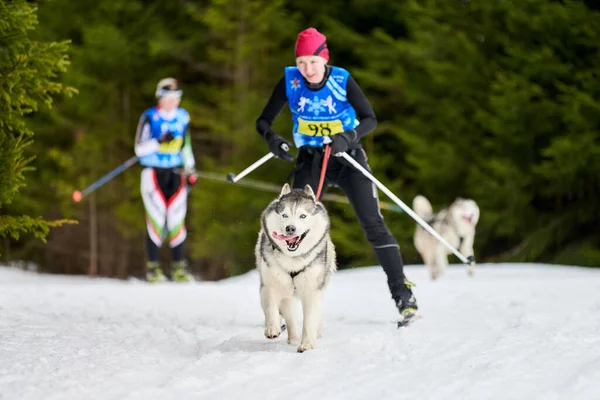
(319, 113)
(169, 155)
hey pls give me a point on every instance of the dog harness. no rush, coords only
(296, 273)
(435, 219)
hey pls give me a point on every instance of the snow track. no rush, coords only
(514, 331)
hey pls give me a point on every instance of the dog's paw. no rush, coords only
(305, 346)
(471, 269)
(272, 332)
(293, 338)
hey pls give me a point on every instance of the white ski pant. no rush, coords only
(165, 198)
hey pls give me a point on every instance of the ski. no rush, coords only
(408, 319)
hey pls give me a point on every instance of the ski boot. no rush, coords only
(180, 272)
(407, 305)
(153, 272)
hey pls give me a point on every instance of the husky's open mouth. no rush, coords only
(293, 242)
(468, 218)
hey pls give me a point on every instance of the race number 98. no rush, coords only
(320, 128)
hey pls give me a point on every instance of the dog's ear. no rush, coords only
(308, 190)
(285, 189)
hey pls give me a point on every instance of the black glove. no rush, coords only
(166, 138)
(279, 146)
(342, 141)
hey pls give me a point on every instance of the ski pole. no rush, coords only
(470, 260)
(233, 178)
(268, 187)
(77, 195)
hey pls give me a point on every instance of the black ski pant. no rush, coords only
(362, 194)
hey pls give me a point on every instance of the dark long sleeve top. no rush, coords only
(354, 94)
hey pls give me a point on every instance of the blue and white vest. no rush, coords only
(171, 154)
(319, 113)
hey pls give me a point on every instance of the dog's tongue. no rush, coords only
(283, 237)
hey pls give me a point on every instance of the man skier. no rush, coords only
(163, 144)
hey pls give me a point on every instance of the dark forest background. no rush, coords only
(494, 100)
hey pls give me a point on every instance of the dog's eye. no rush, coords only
(302, 216)
(284, 215)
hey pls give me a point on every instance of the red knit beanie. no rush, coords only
(312, 43)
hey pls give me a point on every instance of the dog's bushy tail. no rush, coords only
(422, 207)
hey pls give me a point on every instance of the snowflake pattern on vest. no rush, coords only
(319, 113)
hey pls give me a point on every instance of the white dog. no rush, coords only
(295, 258)
(455, 224)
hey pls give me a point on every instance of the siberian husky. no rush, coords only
(295, 258)
(456, 225)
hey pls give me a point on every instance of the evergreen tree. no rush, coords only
(81, 139)
(28, 81)
(247, 44)
(498, 101)
(492, 100)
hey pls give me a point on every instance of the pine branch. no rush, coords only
(15, 226)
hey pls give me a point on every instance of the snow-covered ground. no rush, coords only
(514, 331)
